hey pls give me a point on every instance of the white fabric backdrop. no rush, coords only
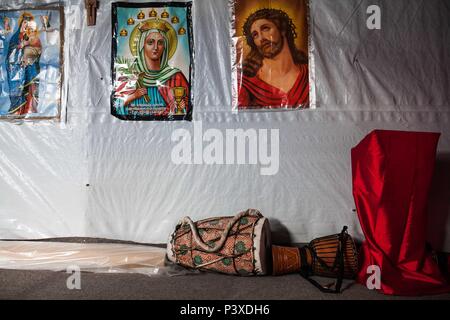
(393, 78)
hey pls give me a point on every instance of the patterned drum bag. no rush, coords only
(239, 245)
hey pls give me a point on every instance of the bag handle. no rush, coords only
(219, 244)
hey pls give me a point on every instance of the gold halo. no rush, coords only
(154, 24)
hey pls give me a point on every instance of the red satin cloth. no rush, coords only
(392, 172)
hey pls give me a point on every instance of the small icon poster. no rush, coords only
(31, 42)
(152, 52)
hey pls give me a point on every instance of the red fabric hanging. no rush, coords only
(392, 172)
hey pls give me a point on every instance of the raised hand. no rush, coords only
(140, 92)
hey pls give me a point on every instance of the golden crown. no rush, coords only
(165, 14)
(153, 24)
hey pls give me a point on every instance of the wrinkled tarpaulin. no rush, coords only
(95, 175)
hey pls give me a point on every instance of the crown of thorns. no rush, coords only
(268, 14)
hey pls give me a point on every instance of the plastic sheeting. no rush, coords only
(95, 175)
(91, 257)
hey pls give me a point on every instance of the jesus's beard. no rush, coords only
(270, 49)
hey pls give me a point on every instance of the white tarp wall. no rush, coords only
(95, 175)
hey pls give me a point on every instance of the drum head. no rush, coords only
(263, 245)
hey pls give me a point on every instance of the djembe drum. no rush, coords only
(333, 256)
(241, 245)
(237, 245)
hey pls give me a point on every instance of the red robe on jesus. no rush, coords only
(255, 93)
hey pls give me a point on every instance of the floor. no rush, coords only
(15, 284)
(175, 284)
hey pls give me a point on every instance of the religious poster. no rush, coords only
(152, 54)
(269, 54)
(30, 63)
